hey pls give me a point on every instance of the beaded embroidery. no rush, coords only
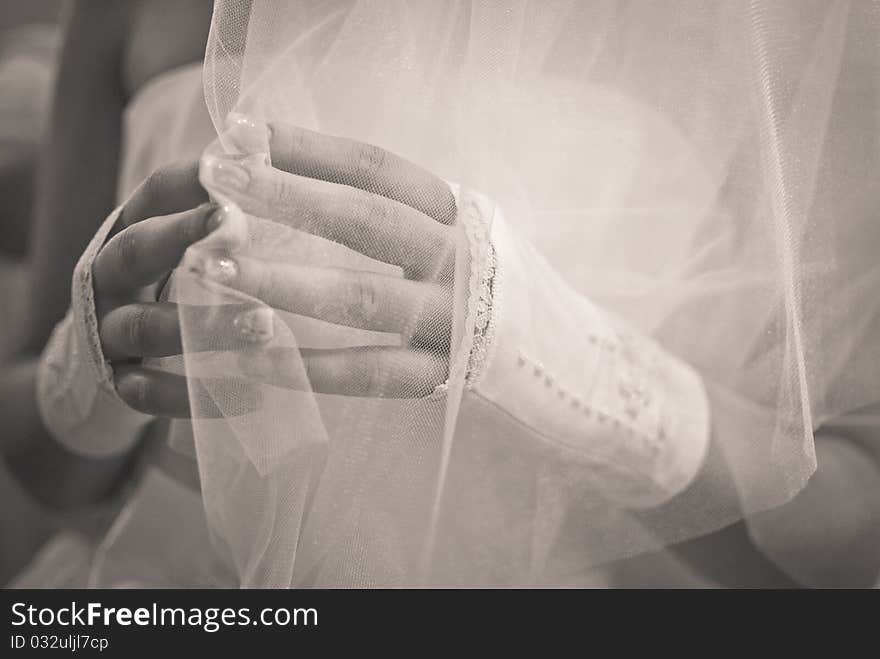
(634, 371)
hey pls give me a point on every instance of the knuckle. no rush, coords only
(141, 336)
(370, 372)
(279, 191)
(171, 176)
(186, 171)
(150, 199)
(361, 296)
(381, 210)
(127, 246)
(364, 216)
(190, 228)
(370, 162)
(375, 212)
(156, 183)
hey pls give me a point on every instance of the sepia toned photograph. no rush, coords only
(438, 294)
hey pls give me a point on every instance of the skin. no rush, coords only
(341, 181)
(335, 179)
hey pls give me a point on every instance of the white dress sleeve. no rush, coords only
(75, 393)
(580, 382)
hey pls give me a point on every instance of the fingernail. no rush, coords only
(255, 325)
(244, 135)
(215, 220)
(220, 268)
(222, 216)
(227, 174)
(228, 230)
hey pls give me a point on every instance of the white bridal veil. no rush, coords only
(705, 171)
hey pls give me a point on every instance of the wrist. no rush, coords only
(75, 392)
(585, 385)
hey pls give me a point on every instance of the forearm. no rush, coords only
(826, 535)
(829, 534)
(52, 474)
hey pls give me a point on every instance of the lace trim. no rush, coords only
(473, 213)
(72, 369)
(83, 305)
(483, 317)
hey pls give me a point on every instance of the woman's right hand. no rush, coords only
(166, 214)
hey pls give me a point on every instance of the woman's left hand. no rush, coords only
(375, 203)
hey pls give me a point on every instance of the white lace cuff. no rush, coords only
(75, 392)
(579, 381)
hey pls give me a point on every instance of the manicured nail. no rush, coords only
(223, 216)
(227, 174)
(255, 325)
(216, 218)
(231, 231)
(244, 135)
(220, 268)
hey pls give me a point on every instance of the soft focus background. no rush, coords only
(29, 40)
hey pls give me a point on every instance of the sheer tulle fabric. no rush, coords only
(700, 169)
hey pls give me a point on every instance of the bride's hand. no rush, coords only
(160, 221)
(375, 203)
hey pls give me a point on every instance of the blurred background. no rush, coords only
(29, 43)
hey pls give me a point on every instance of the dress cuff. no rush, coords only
(75, 392)
(582, 383)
